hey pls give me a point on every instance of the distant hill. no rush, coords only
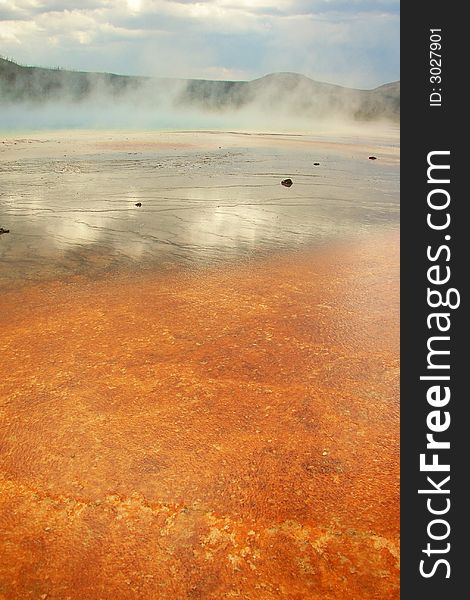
(289, 93)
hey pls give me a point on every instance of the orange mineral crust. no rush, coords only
(225, 433)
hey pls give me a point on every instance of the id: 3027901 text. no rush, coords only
(435, 67)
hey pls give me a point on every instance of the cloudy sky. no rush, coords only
(351, 42)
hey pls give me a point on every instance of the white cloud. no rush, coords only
(354, 42)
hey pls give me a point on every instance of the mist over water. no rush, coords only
(70, 198)
(41, 99)
(60, 116)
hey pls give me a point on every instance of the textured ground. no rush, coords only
(226, 433)
(69, 199)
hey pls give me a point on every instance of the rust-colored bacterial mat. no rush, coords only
(226, 433)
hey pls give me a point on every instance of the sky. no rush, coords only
(348, 42)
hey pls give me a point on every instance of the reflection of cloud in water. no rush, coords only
(222, 228)
(229, 208)
(73, 232)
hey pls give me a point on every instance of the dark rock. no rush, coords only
(316, 164)
(372, 158)
(138, 203)
(286, 182)
(4, 230)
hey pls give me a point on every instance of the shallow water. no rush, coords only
(71, 207)
(229, 431)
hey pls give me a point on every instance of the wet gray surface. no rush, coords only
(77, 215)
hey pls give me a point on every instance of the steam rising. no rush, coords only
(34, 98)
